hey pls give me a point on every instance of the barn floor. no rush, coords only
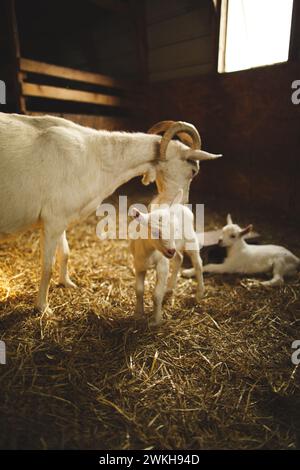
(215, 375)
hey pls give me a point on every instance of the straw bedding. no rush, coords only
(214, 375)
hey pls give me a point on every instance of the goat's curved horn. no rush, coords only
(160, 127)
(186, 132)
(163, 126)
(175, 129)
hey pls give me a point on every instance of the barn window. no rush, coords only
(254, 33)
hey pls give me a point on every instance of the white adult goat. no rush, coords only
(54, 172)
(251, 259)
(169, 233)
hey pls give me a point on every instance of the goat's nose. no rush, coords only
(171, 251)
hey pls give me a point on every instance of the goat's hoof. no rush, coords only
(251, 283)
(188, 273)
(43, 309)
(271, 284)
(199, 296)
(67, 283)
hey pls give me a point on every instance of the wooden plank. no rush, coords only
(43, 68)
(125, 65)
(160, 10)
(110, 123)
(216, 25)
(43, 91)
(294, 50)
(253, 139)
(191, 25)
(222, 35)
(138, 15)
(117, 46)
(182, 72)
(15, 54)
(188, 53)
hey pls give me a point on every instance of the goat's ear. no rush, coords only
(178, 198)
(200, 155)
(246, 230)
(229, 219)
(149, 176)
(138, 216)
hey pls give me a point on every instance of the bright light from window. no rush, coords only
(258, 33)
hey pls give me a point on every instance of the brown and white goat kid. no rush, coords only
(251, 259)
(169, 233)
(54, 172)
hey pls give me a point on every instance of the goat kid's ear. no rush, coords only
(149, 176)
(138, 216)
(178, 198)
(229, 219)
(246, 230)
(201, 155)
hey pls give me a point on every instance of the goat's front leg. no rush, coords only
(139, 290)
(197, 263)
(63, 256)
(177, 262)
(49, 240)
(162, 271)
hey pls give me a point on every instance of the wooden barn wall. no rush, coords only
(178, 35)
(249, 117)
(116, 51)
(110, 123)
(86, 36)
(179, 38)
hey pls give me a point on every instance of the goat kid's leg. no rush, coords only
(278, 272)
(215, 268)
(139, 290)
(277, 280)
(188, 272)
(177, 262)
(162, 271)
(63, 256)
(197, 263)
(208, 268)
(49, 240)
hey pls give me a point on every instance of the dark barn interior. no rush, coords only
(217, 375)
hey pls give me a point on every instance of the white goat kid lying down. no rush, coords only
(54, 173)
(251, 259)
(170, 233)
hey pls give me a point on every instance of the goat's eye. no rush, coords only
(194, 166)
(232, 236)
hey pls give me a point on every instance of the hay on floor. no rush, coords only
(215, 375)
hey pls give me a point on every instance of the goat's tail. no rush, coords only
(188, 272)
